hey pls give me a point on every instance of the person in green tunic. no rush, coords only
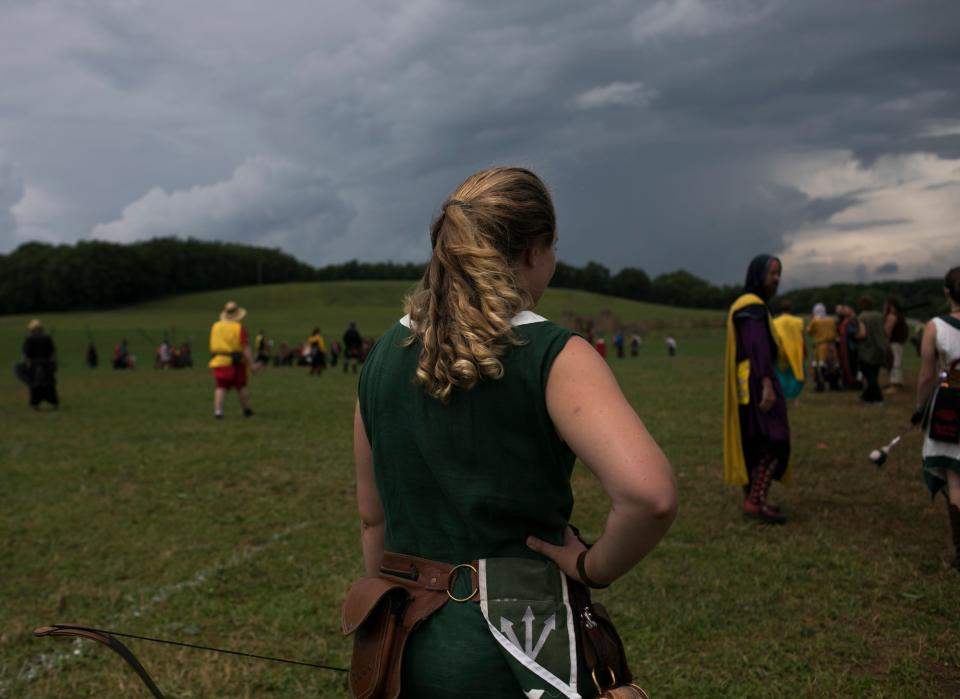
(471, 412)
(872, 351)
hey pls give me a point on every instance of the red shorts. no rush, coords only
(230, 376)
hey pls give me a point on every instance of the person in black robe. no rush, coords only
(353, 348)
(40, 366)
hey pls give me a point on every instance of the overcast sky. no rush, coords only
(673, 133)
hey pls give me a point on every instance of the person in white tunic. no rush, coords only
(938, 404)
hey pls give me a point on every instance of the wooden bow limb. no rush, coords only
(106, 639)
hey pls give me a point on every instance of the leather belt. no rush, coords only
(432, 575)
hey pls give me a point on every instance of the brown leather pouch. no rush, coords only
(602, 648)
(374, 610)
(383, 610)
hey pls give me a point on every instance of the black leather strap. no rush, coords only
(582, 572)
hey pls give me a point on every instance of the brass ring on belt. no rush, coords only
(453, 578)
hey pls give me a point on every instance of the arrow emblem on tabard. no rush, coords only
(529, 649)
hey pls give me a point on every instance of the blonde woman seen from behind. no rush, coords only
(471, 412)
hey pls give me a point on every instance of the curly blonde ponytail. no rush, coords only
(461, 310)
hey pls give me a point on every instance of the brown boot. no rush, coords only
(755, 505)
(954, 513)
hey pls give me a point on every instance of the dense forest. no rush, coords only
(95, 274)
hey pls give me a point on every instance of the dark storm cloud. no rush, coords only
(887, 269)
(865, 76)
(660, 126)
(866, 225)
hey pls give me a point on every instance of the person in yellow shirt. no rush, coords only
(823, 332)
(230, 358)
(318, 352)
(793, 350)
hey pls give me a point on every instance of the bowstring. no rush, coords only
(221, 650)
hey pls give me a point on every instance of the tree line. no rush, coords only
(920, 298)
(97, 274)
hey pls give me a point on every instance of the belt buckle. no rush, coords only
(452, 579)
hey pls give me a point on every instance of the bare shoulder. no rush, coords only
(578, 360)
(580, 380)
(577, 347)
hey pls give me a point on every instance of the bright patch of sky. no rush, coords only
(903, 224)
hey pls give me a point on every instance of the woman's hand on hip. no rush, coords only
(564, 556)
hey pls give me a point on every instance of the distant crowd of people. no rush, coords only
(765, 366)
(232, 358)
(313, 351)
(850, 349)
(170, 356)
(599, 342)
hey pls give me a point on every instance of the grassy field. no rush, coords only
(132, 509)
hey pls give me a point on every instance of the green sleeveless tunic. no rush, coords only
(466, 480)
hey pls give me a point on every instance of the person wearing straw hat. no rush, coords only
(39, 366)
(230, 358)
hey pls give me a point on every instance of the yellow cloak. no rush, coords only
(736, 392)
(789, 336)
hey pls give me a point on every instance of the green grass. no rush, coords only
(132, 509)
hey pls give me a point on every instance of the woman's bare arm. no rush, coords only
(594, 418)
(927, 377)
(368, 499)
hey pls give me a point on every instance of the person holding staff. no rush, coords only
(471, 412)
(938, 404)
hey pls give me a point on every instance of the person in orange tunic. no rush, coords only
(823, 332)
(230, 358)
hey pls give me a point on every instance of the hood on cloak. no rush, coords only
(757, 275)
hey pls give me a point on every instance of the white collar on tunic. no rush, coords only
(522, 318)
